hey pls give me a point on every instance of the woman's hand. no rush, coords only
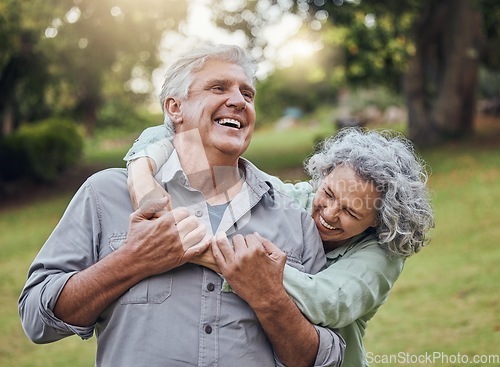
(207, 259)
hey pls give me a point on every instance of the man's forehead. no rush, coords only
(216, 69)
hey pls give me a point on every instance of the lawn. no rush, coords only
(445, 305)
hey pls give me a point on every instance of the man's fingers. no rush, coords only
(179, 214)
(221, 248)
(186, 225)
(273, 251)
(268, 245)
(254, 242)
(198, 249)
(194, 236)
(239, 243)
(156, 194)
(151, 207)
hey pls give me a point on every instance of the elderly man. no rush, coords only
(131, 277)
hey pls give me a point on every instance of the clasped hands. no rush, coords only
(164, 238)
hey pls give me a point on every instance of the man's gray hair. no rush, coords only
(387, 160)
(179, 75)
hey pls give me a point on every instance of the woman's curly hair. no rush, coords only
(388, 160)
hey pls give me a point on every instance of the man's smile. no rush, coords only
(229, 123)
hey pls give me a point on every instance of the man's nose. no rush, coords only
(236, 100)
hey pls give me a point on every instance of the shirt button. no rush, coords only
(211, 287)
(198, 213)
(208, 329)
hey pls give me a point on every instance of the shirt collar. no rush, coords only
(255, 179)
(352, 244)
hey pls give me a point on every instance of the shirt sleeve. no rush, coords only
(331, 351)
(331, 345)
(301, 192)
(155, 143)
(72, 247)
(346, 290)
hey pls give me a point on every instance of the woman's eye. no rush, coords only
(351, 214)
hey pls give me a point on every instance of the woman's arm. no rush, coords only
(349, 288)
(148, 153)
(304, 344)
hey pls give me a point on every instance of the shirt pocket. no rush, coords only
(154, 290)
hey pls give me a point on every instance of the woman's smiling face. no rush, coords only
(344, 206)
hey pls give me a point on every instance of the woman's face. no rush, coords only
(344, 206)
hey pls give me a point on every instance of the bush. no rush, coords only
(40, 151)
(13, 158)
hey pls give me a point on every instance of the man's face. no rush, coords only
(220, 105)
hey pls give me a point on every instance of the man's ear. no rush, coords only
(174, 110)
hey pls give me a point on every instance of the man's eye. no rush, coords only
(218, 88)
(248, 96)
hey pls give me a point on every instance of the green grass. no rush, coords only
(447, 298)
(274, 151)
(22, 231)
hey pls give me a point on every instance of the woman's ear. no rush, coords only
(174, 110)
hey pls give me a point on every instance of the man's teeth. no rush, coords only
(326, 225)
(229, 122)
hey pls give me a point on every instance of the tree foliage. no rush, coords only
(70, 56)
(430, 50)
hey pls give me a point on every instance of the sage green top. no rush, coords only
(348, 293)
(345, 295)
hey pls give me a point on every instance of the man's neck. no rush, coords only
(218, 178)
(218, 184)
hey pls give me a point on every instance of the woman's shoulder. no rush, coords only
(366, 248)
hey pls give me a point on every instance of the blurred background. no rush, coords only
(79, 81)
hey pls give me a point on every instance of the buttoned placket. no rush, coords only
(209, 319)
(184, 195)
(208, 332)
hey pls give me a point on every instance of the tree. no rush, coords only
(82, 45)
(441, 81)
(437, 44)
(23, 73)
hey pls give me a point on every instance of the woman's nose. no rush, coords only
(331, 211)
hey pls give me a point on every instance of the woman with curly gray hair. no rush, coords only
(372, 209)
(369, 201)
(382, 165)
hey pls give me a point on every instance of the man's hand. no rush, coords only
(254, 270)
(254, 267)
(160, 240)
(207, 259)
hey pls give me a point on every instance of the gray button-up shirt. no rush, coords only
(180, 317)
